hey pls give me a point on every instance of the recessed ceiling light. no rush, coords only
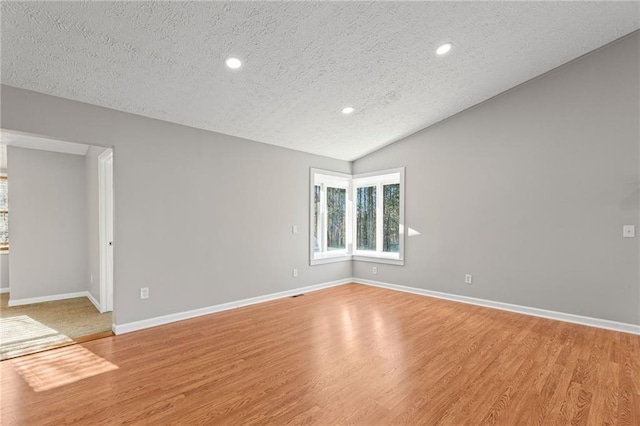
(444, 48)
(233, 63)
(348, 110)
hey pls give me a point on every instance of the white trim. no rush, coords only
(377, 258)
(102, 230)
(31, 141)
(328, 179)
(179, 316)
(4, 290)
(526, 310)
(331, 259)
(325, 179)
(94, 301)
(30, 300)
(378, 179)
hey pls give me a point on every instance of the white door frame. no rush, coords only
(105, 189)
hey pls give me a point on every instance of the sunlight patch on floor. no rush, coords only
(52, 369)
(19, 332)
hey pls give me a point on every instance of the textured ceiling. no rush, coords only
(303, 61)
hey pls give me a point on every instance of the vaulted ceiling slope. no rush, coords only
(302, 61)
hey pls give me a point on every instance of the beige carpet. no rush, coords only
(32, 328)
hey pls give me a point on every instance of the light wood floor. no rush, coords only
(346, 355)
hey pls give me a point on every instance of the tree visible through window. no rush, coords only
(330, 219)
(377, 214)
(4, 214)
(317, 218)
(357, 217)
(366, 218)
(391, 218)
(336, 223)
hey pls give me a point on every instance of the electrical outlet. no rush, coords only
(144, 293)
(295, 272)
(91, 278)
(294, 229)
(468, 279)
(374, 270)
(629, 231)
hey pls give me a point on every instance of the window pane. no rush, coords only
(4, 230)
(3, 193)
(316, 218)
(336, 210)
(391, 217)
(366, 218)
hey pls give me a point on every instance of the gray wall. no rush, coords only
(93, 233)
(4, 270)
(200, 218)
(529, 191)
(48, 223)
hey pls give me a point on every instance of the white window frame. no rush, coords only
(378, 179)
(351, 183)
(330, 179)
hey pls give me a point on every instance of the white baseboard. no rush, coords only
(179, 316)
(4, 290)
(94, 301)
(527, 310)
(30, 300)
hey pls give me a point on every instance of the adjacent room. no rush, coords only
(321, 213)
(53, 289)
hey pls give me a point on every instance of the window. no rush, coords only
(4, 214)
(330, 218)
(378, 216)
(366, 208)
(357, 217)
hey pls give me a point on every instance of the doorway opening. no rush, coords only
(56, 274)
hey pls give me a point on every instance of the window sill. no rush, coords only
(379, 259)
(330, 258)
(359, 257)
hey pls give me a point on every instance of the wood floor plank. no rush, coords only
(348, 355)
